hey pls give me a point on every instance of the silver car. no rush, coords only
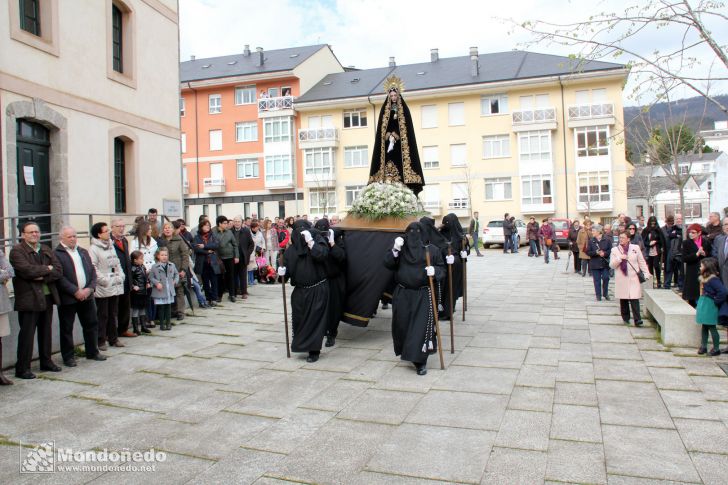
(493, 233)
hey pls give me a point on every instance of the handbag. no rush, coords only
(549, 242)
(640, 274)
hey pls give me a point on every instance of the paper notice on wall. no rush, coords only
(28, 173)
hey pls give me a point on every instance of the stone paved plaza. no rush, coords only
(546, 385)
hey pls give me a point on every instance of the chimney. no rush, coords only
(192, 57)
(474, 67)
(434, 55)
(391, 62)
(260, 59)
(246, 51)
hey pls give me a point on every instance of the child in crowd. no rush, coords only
(195, 284)
(163, 277)
(139, 293)
(253, 266)
(711, 305)
(267, 274)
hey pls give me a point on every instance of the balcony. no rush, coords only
(319, 178)
(280, 106)
(276, 182)
(460, 207)
(213, 185)
(433, 207)
(185, 187)
(318, 137)
(591, 114)
(534, 119)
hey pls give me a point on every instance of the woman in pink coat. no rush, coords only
(626, 259)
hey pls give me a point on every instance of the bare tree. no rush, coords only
(608, 35)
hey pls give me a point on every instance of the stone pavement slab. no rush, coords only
(506, 466)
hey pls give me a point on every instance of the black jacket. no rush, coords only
(68, 283)
(245, 243)
(29, 266)
(139, 278)
(123, 255)
(596, 261)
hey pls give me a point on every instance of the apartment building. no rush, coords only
(238, 126)
(518, 132)
(88, 96)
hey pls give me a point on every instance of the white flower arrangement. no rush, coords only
(386, 199)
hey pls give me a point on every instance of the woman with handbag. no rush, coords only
(631, 271)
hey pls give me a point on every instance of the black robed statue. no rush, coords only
(395, 157)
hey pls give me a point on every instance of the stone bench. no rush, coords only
(674, 316)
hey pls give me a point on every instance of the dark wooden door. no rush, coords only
(34, 196)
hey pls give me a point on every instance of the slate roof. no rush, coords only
(241, 65)
(448, 72)
(637, 189)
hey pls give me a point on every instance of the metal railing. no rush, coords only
(274, 104)
(318, 134)
(459, 204)
(540, 115)
(591, 111)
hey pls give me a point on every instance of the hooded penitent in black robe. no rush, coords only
(452, 232)
(430, 235)
(402, 164)
(306, 268)
(413, 322)
(335, 273)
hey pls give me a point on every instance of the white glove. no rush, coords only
(398, 243)
(450, 259)
(281, 271)
(331, 237)
(463, 254)
(430, 270)
(391, 144)
(307, 236)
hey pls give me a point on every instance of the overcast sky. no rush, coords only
(365, 33)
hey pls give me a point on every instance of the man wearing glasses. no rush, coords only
(36, 271)
(121, 245)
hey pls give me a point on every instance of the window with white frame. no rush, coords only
(278, 168)
(277, 129)
(498, 188)
(429, 116)
(183, 142)
(592, 141)
(458, 155)
(215, 104)
(322, 121)
(352, 193)
(536, 189)
(594, 187)
(245, 95)
(459, 199)
(496, 146)
(692, 210)
(456, 114)
(355, 118)
(534, 101)
(246, 131)
(322, 201)
(430, 196)
(247, 168)
(215, 140)
(181, 107)
(534, 145)
(493, 104)
(318, 163)
(431, 157)
(355, 157)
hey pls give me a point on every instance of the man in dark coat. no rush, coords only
(507, 233)
(336, 274)
(121, 246)
(36, 271)
(413, 321)
(305, 265)
(76, 290)
(246, 246)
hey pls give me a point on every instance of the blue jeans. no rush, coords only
(514, 242)
(601, 282)
(532, 247)
(198, 293)
(507, 241)
(475, 243)
(546, 253)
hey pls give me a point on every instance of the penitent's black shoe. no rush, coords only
(385, 306)
(25, 375)
(330, 341)
(421, 370)
(50, 368)
(312, 357)
(97, 357)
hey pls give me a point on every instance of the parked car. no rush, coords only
(561, 228)
(493, 233)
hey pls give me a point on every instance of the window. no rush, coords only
(355, 119)
(639, 210)
(536, 189)
(537, 101)
(278, 168)
(215, 104)
(246, 131)
(692, 210)
(534, 145)
(496, 146)
(183, 142)
(30, 16)
(272, 92)
(429, 116)
(431, 157)
(355, 157)
(322, 201)
(494, 104)
(181, 107)
(215, 140)
(117, 38)
(458, 155)
(592, 141)
(245, 95)
(324, 121)
(247, 168)
(498, 189)
(456, 114)
(594, 187)
(318, 163)
(277, 129)
(352, 193)
(430, 196)
(459, 195)
(119, 176)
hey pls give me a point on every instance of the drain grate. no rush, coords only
(724, 367)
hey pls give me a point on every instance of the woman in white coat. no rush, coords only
(626, 259)
(109, 286)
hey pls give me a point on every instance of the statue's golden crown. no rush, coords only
(393, 82)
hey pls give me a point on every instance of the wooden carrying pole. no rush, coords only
(449, 284)
(434, 310)
(465, 280)
(285, 307)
